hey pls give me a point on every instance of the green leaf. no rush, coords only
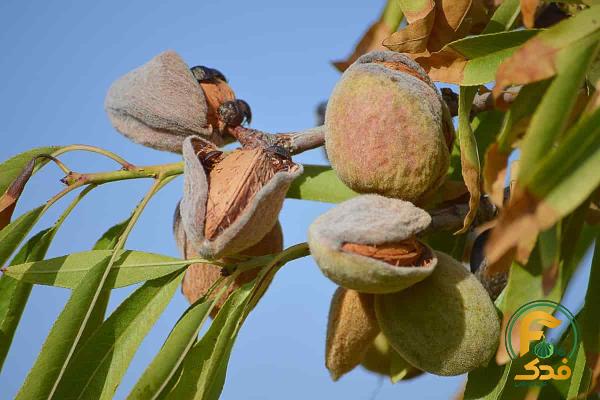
(67, 271)
(98, 367)
(578, 374)
(12, 167)
(552, 114)
(469, 156)
(107, 241)
(44, 376)
(320, 183)
(13, 234)
(399, 367)
(523, 107)
(169, 359)
(14, 294)
(487, 383)
(550, 52)
(569, 174)
(590, 323)
(474, 60)
(504, 17)
(205, 365)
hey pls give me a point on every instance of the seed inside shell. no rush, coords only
(231, 200)
(369, 244)
(407, 252)
(234, 181)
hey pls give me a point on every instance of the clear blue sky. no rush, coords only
(58, 60)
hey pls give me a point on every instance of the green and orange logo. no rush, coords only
(527, 337)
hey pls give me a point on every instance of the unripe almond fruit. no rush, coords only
(445, 324)
(351, 329)
(388, 128)
(368, 244)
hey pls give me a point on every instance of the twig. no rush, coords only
(150, 171)
(450, 218)
(482, 102)
(84, 147)
(293, 142)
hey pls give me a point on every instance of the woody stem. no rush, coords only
(293, 142)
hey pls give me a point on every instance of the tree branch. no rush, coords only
(482, 102)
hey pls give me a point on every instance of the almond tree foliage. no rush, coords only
(524, 77)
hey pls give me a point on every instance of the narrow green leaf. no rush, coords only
(12, 167)
(523, 107)
(98, 367)
(474, 60)
(106, 242)
(551, 52)
(204, 367)
(320, 183)
(399, 367)
(590, 323)
(469, 156)
(551, 116)
(13, 234)
(578, 373)
(171, 355)
(487, 383)
(14, 294)
(67, 271)
(504, 17)
(63, 337)
(109, 239)
(569, 174)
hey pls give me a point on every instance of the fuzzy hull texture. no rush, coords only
(445, 325)
(386, 129)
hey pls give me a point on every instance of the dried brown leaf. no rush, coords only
(444, 66)
(494, 174)
(372, 40)
(518, 226)
(437, 24)
(8, 200)
(533, 62)
(528, 10)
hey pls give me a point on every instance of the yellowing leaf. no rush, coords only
(473, 60)
(469, 157)
(8, 200)
(562, 181)
(528, 9)
(543, 56)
